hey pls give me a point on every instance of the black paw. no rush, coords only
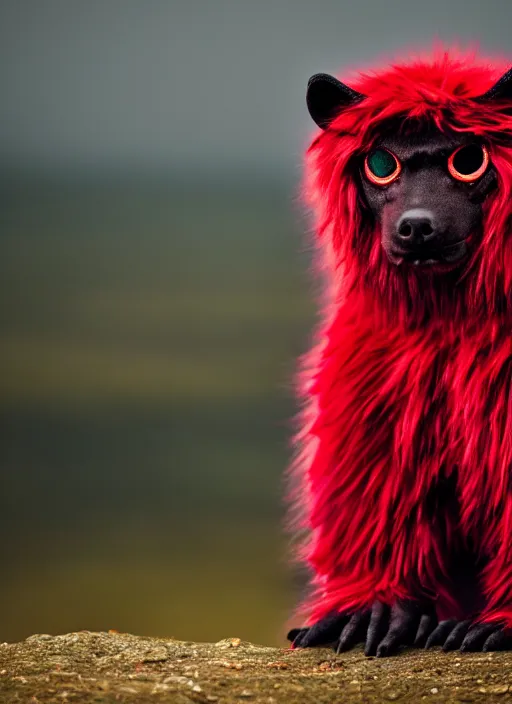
(382, 629)
(470, 637)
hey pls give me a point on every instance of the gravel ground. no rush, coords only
(119, 667)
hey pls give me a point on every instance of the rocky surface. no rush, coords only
(118, 667)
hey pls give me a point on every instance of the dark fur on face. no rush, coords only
(427, 217)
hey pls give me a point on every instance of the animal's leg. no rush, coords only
(371, 465)
(452, 630)
(396, 611)
(493, 629)
(490, 626)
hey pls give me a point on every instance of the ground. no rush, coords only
(118, 667)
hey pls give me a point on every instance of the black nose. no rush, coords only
(416, 226)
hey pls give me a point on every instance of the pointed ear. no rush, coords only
(326, 97)
(501, 90)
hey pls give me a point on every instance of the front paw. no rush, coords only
(382, 629)
(468, 636)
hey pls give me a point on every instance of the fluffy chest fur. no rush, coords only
(415, 406)
(409, 441)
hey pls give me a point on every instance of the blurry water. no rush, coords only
(148, 336)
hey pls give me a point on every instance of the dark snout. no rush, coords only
(419, 238)
(415, 227)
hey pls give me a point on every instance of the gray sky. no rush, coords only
(206, 85)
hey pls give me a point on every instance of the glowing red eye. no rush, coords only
(381, 167)
(469, 162)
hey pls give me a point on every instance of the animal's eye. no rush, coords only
(469, 162)
(381, 167)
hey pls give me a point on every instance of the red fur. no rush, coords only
(410, 378)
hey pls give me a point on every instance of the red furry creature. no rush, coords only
(403, 472)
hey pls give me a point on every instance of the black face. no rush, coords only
(427, 193)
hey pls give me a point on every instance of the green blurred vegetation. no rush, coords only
(149, 330)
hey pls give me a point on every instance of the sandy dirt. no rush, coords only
(118, 667)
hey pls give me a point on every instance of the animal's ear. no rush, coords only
(501, 90)
(326, 97)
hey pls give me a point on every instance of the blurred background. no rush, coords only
(155, 292)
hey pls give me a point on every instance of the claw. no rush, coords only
(292, 635)
(324, 632)
(456, 637)
(427, 625)
(404, 624)
(499, 640)
(377, 629)
(295, 636)
(354, 632)
(440, 633)
(478, 635)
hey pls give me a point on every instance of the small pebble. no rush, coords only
(499, 689)
(141, 676)
(246, 693)
(176, 678)
(434, 690)
(156, 655)
(232, 665)
(197, 688)
(69, 638)
(228, 643)
(159, 688)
